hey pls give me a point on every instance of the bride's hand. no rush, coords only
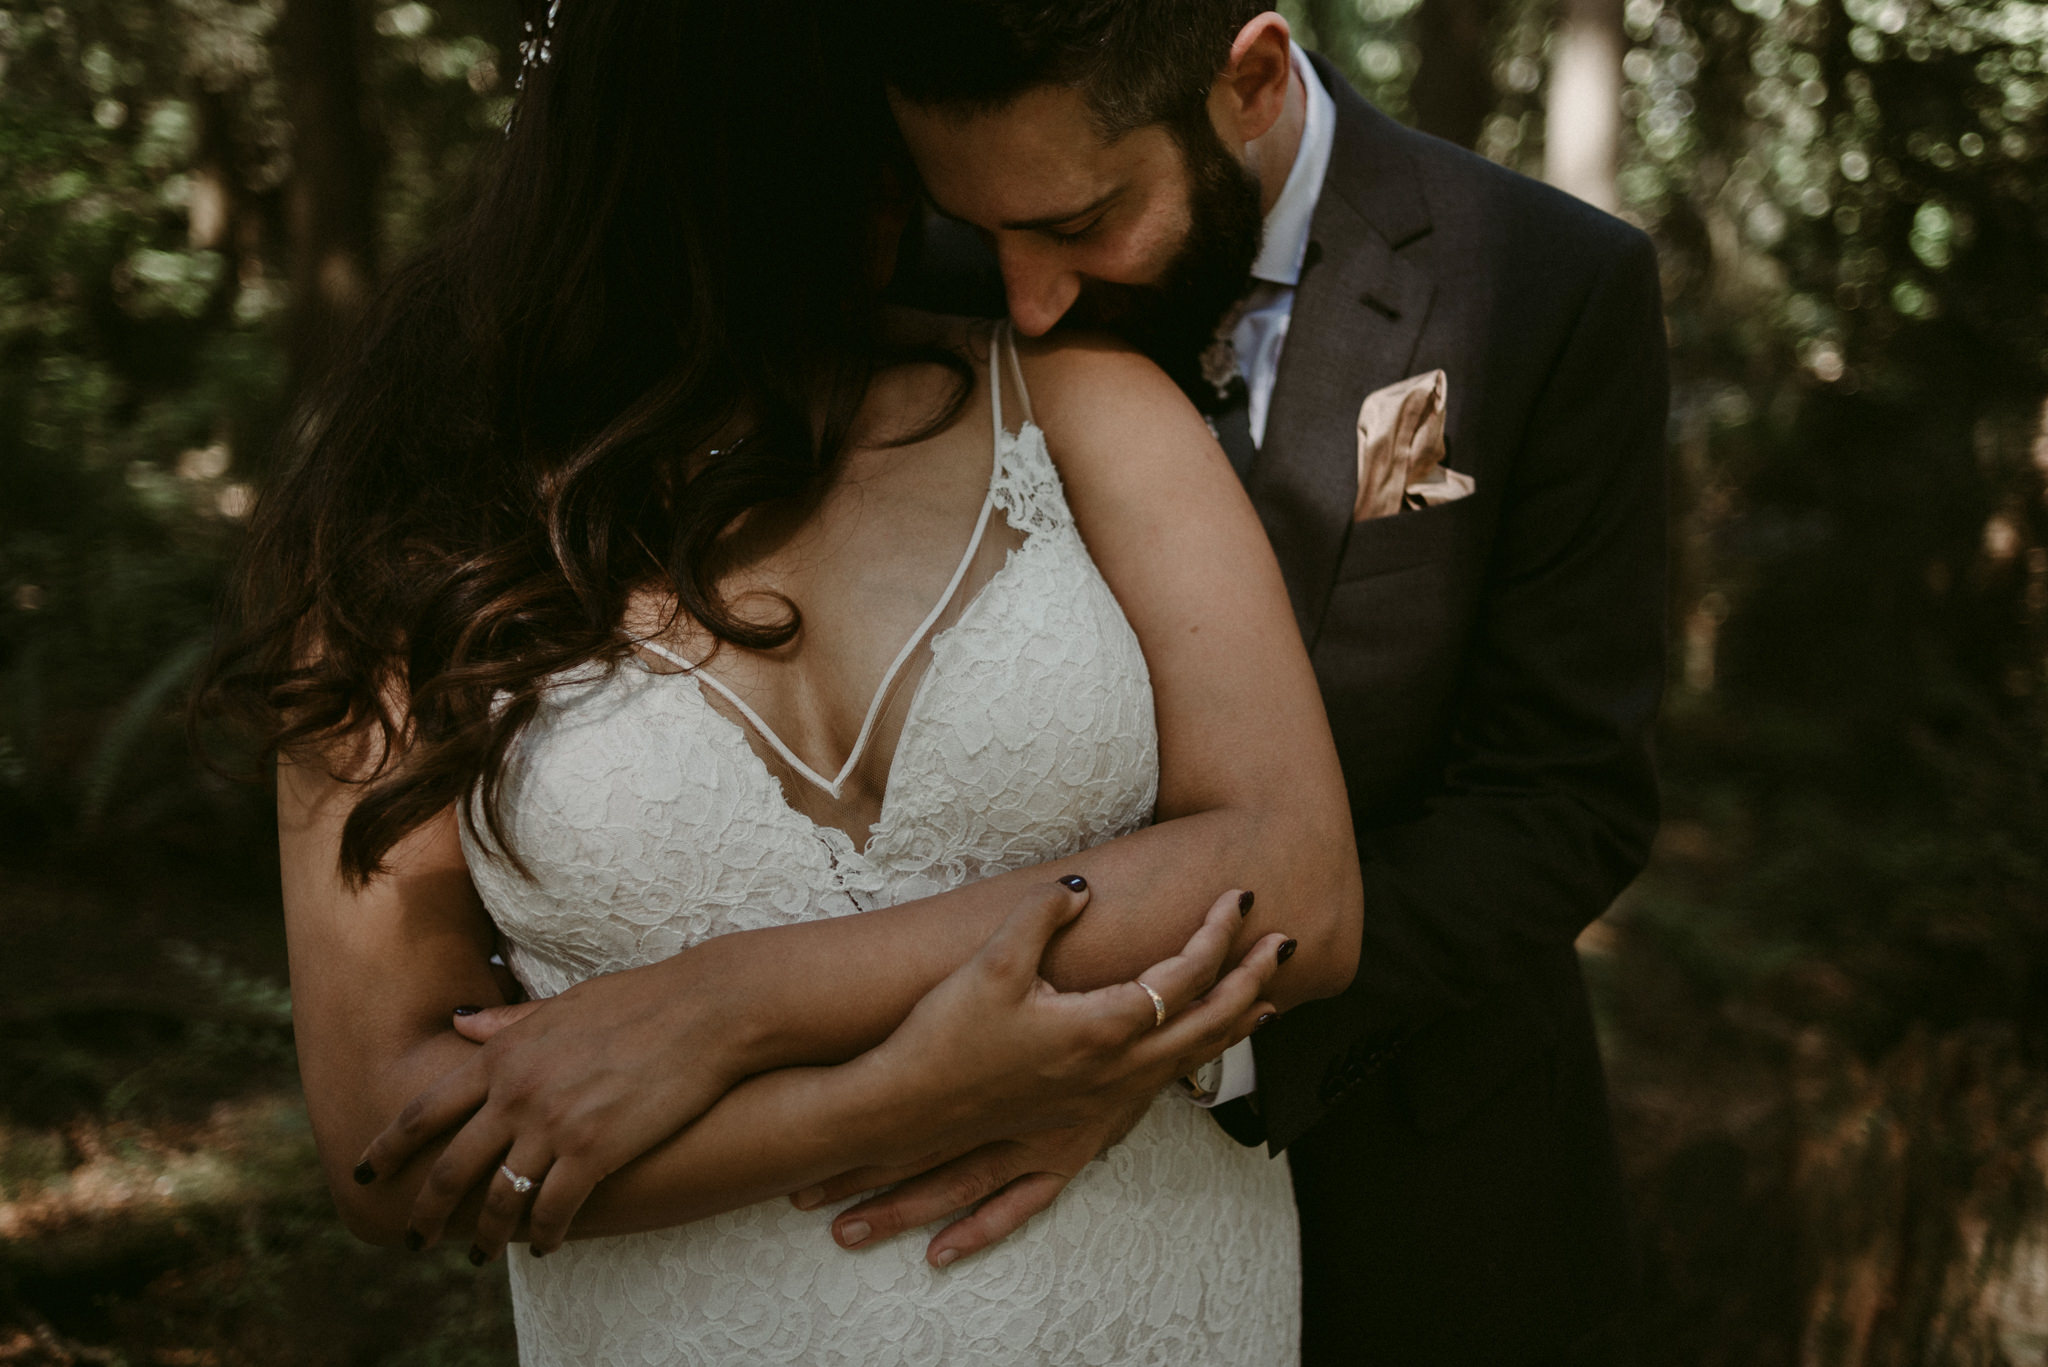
(553, 1096)
(996, 1051)
(999, 1052)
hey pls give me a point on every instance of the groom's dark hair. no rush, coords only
(1137, 62)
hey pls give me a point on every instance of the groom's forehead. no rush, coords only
(1039, 159)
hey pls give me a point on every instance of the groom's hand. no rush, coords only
(1000, 1186)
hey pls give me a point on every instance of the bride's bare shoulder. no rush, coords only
(1094, 396)
(1084, 365)
(1091, 393)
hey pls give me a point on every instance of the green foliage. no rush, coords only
(145, 257)
(1857, 249)
(1369, 39)
(156, 1168)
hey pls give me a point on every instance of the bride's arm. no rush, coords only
(376, 973)
(993, 1018)
(377, 970)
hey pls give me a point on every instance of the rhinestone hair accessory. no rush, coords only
(536, 50)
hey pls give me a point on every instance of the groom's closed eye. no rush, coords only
(1072, 226)
(1080, 234)
(1069, 222)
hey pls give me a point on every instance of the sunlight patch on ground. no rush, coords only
(130, 1173)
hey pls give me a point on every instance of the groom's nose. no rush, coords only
(1039, 288)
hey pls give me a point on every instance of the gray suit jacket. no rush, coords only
(1493, 666)
(1492, 669)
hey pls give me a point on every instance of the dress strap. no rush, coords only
(1017, 370)
(995, 382)
(762, 728)
(1003, 350)
(835, 786)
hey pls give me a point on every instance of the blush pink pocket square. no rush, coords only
(1401, 449)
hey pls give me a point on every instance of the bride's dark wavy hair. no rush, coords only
(678, 242)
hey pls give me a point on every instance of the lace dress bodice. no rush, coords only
(650, 823)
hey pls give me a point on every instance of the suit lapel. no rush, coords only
(1358, 314)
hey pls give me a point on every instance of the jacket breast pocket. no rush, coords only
(1381, 545)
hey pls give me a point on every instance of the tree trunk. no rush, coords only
(1582, 121)
(216, 177)
(1453, 90)
(330, 204)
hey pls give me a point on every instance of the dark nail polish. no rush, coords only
(467, 1010)
(1286, 952)
(1264, 1021)
(1074, 882)
(365, 1174)
(477, 1257)
(1244, 904)
(415, 1240)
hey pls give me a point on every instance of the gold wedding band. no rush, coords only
(522, 1185)
(1158, 1003)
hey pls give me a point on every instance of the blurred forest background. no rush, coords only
(1826, 1006)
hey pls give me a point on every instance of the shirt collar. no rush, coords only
(1286, 238)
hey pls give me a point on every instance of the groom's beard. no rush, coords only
(1174, 320)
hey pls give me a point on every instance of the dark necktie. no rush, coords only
(1232, 420)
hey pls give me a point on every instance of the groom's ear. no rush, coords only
(1252, 91)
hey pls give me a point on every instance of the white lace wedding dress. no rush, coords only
(651, 824)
